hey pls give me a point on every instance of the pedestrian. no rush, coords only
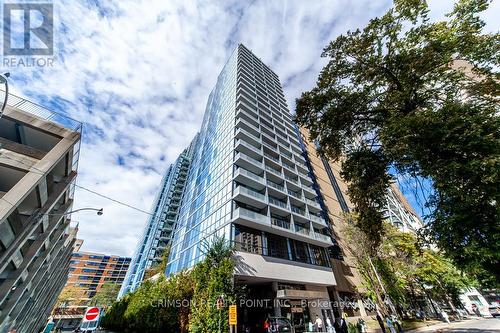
(311, 327)
(319, 324)
(390, 324)
(380, 321)
(445, 316)
(343, 324)
(329, 326)
(398, 323)
(361, 325)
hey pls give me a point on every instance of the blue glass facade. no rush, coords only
(206, 208)
(160, 225)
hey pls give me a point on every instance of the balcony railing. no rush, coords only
(295, 194)
(312, 202)
(295, 181)
(272, 157)
(242, 130)
(280, 223)
(268, 145)
(242, 212)
(302, 230)
(307, 187)
(317, 219)
(248, 158)
(251, 175)
(277, 202)
(276, 186)
(274, 171)
(249, 146)
(251, 192)
(298, 211)
(321, 237)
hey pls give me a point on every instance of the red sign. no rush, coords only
(92, 314)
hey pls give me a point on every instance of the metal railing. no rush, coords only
(250, 175)
(251, 192)
(277, 202)
(280, 223)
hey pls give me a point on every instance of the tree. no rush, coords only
(182, 302)
(106, 295)
(71, 295)
(213, 278)
(418, 98)
(402, 269)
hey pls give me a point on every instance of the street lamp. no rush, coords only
(99, 211)
(3, 80)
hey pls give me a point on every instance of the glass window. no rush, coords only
(277, 246)
(300, 251)
(247, 240)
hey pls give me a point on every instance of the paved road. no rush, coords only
(488, 325)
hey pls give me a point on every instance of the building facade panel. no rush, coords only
(39, 152)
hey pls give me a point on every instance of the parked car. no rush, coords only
(278, 325)
(495, 311)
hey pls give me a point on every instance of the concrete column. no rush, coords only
(362, 310)
(276, 305)
(338, 303)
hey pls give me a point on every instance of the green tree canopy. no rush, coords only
(106, 295)
(404, 267)
(419, 98)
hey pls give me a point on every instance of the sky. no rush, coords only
(138, 75)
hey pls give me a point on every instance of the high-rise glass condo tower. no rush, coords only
(158, 232)
(248, 181)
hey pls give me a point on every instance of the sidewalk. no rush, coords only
(432, 326)
(441, 326)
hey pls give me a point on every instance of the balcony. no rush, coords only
(269, 156)
(323, 238)
(242, 123)
(295, 194)
(249, 178)
(297, 210)
(269, 146)
(248, 162)
(250, 197)
(247, 136)
(305, 179)
(313, 203)
(273, 164)
(317, 219)
(308, 189)
(278, 203)
(273, 171)
(276, 186)
(249, 218)
(248, 149)
(289, 167)
(280, 223)
(302, 231)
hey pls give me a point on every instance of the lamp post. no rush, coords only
(3, 80)
(99, 211)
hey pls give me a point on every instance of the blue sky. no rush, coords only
(138, 74)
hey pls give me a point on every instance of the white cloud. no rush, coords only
(138, 74)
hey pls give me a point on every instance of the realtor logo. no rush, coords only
(28, 29)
